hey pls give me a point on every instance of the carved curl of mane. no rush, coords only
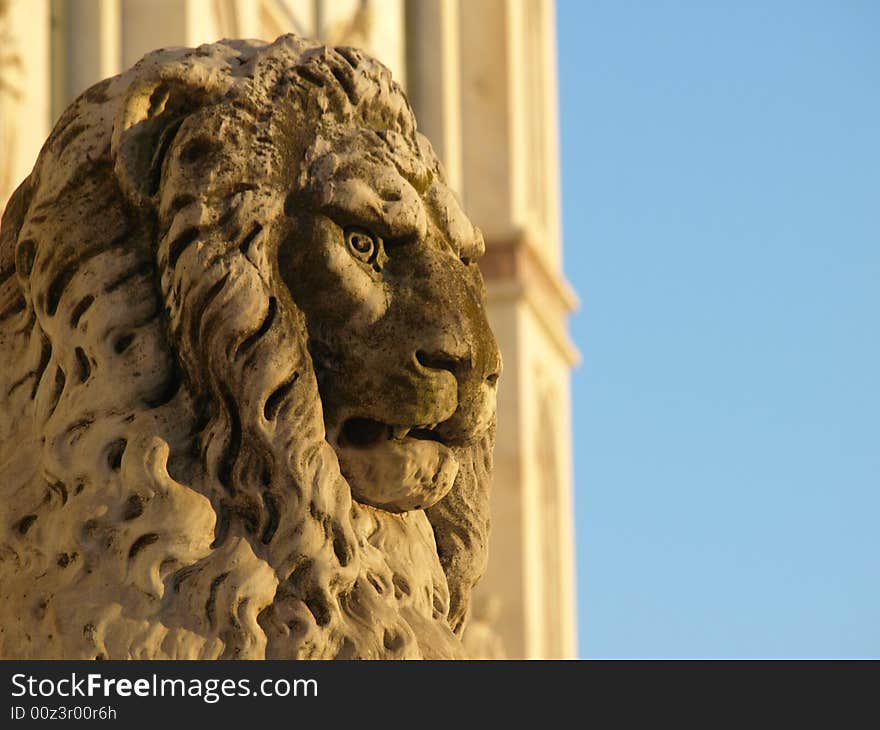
(167, 489)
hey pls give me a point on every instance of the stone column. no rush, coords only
(510, 172)
(93, 43)
(432, 60)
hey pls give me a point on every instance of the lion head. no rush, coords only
(248, 383)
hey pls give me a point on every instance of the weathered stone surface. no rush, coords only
(247, 381)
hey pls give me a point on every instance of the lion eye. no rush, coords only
(361, 243)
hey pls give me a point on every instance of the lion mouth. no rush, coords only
(367, 432)
(395, 468)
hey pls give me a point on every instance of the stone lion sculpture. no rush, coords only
(247, 379)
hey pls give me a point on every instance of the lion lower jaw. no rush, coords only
(399, 476)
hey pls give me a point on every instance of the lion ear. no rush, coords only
(154, 108)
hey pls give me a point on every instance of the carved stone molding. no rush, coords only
(513, 269)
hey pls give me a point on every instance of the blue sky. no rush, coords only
(721, 211)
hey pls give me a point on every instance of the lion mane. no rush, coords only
(167, 487)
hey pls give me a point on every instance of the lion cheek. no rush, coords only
(399, 477)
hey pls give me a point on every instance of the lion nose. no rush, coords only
(445, 351)
(442, 359)
(493, 364)
(460, 361)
